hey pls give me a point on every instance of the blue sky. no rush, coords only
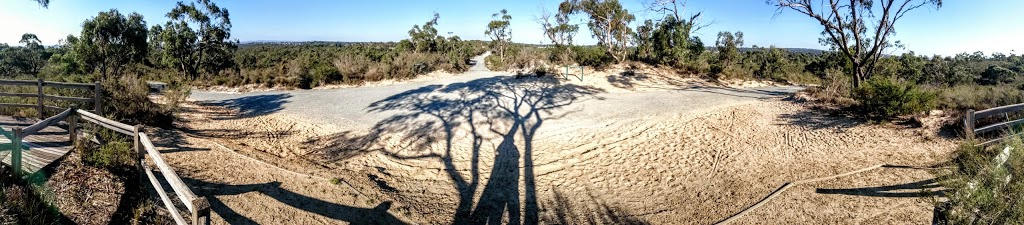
(959, 26)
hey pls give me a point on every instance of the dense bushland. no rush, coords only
(317, 64)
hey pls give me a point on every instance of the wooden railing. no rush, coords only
(40, 96)
(198, 207)
(971, 119)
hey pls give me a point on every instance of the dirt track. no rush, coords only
(619, 149)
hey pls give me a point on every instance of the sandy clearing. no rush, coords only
(489, 148)
(697, 167)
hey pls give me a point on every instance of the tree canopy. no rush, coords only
(499, 32)
(850, 30)
(197, 38)
(109, 42)
(608, 22)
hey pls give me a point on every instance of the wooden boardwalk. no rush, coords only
(38, 150)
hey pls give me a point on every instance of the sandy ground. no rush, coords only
(484, 148)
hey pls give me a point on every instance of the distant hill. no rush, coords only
(343, 43)
(338, 43)
(793, 50)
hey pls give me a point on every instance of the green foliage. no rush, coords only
(499, 32)
(728, 47)
(982, 188)
(779, 65)
(196, 39)
(592, 56)
(109, 43)
(978, 97)
(126, 99)
(608, 22)
(668, 42)
(883, 99)
(117, 153)
(425, 39)
(309, 65)
(997, 75)
(560, 33)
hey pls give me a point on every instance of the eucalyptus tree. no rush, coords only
(499, 32)
(425, 38)
(608, 22)
(859, 29)
(561, 32)
(109, 42)
(728, 47)
(33, 56)
(196, 39)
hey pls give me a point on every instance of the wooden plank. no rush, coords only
(113, 125)
(163, 194)
(17, 105)
(23, 95)
(68, 85)
(108, 126)
(35, 128)
(19, 82)
(172, 178)
(998, 110)
(997, 126)
(70, 99)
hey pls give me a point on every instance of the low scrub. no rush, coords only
(977, 97)
(884, 99)
(984, 185)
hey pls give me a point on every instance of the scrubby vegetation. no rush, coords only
(984, 185)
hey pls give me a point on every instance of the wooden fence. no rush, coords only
(971, 119)
(198, 207)
(40, 96)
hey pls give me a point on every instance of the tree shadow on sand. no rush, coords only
(250, 106)
(637, 81)
(917, 189)
(354, 215)
(502, 109)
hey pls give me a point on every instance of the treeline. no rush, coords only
(195, 48)
(312, 65)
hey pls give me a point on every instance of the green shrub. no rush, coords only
(981, 188)
(116, 154)
(997, 75)
(977, 97)
(127, 100)
(592, 56)
(882, 98)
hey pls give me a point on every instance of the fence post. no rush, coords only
(201, 211)
(97, 98)
(73, 125)
(969, 124)
(138, 142)
(39, 85)
(16, 152)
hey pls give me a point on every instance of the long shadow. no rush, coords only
(510, 109)
(642, 81)
(820, 119)
(256, 105)
(590, 211)
(923, 188)
(354, 215)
